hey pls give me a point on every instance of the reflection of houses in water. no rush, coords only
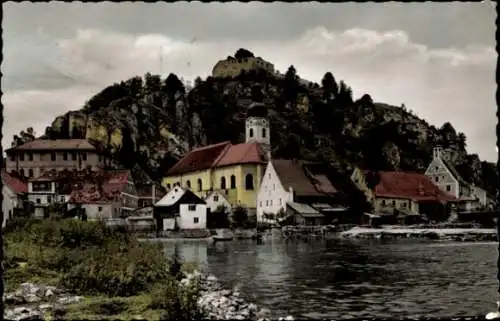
(189, 251)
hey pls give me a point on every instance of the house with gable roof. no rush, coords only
(406, 193)
(233, 170)
(442, 172)
(181, 209)
(13, 191)
(299, 189)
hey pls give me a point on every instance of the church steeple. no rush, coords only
(257, 129)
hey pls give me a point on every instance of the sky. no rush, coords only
(436, 58)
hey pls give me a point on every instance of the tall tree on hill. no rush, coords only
(330, 86)
(291, 85)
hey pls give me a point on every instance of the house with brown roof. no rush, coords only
(298, 188)
(13, 191)
(233, 170)
(34, 158)
(442, 172)
(106, 195)
(404, 193)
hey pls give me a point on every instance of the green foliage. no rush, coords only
(90, 259)
(240, 216)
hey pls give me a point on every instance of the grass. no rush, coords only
(119, 276)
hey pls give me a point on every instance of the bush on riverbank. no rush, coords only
(89, 259)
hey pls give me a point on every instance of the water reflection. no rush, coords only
(335, 278)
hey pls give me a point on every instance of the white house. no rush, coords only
(42, 192)
(287, 181)
(180, 208)
(446, 177)
(13, 189)
(215, 200)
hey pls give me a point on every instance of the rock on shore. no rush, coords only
(223, 304)
(34, 302)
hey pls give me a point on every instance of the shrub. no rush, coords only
(178, 302)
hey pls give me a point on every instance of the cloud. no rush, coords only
(445, 84)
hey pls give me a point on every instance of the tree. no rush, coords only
(174, 85)
(240, 216)
(462, 141)
(243, 53)
(257, 94)
(329, 84)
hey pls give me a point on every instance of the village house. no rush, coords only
(448, 179)
(36, 157)
(180, 209)
(13, 192)
(215, 201)
(234, 171)
(44, 191)
(105, 195)
(407, 194)
(298, 189)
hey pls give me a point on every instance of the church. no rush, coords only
(235, 171)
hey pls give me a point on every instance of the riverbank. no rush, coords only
(442, 234)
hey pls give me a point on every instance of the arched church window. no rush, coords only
(251, 132)
(249, 182)
(223, 183)
(263, 133)
(233, 181)
(200, 186)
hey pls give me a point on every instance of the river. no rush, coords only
(345, 278)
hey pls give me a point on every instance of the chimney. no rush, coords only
(436, 152)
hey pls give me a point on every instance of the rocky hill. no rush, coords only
(149, 122)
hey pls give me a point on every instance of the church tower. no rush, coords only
(257, 129)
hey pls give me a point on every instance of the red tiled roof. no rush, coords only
(113, 185)
(56, 144)
(199, 159)
(14, 183)
(217, 155)
(246, 153)
(414, 186)
(294, 174)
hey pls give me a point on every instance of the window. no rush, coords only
(30, 172)
(52, 156)
(383, 202)
(99, 208)
(403, 204)
(38, 201)
(448, 188)
(61, 199)
(393, 203)
(65, 156)
(249, 182)
(195, 220)
(263, 133)
(269, 175)
(30, 156)
(280, 201)
(49, 199)
(223, 183)
(436, 179)
(260, 203)
(267, 203)
(73, 156)
(21, 172)
(271, 202)
(274, 187)
(216, 198)
(192, 208)
(188, 184)
(250, 132)
(84, 156)
(233, 181)
(199, 185)
(21, 157)
(168, 186)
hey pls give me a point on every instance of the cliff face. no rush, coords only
(151, 122)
